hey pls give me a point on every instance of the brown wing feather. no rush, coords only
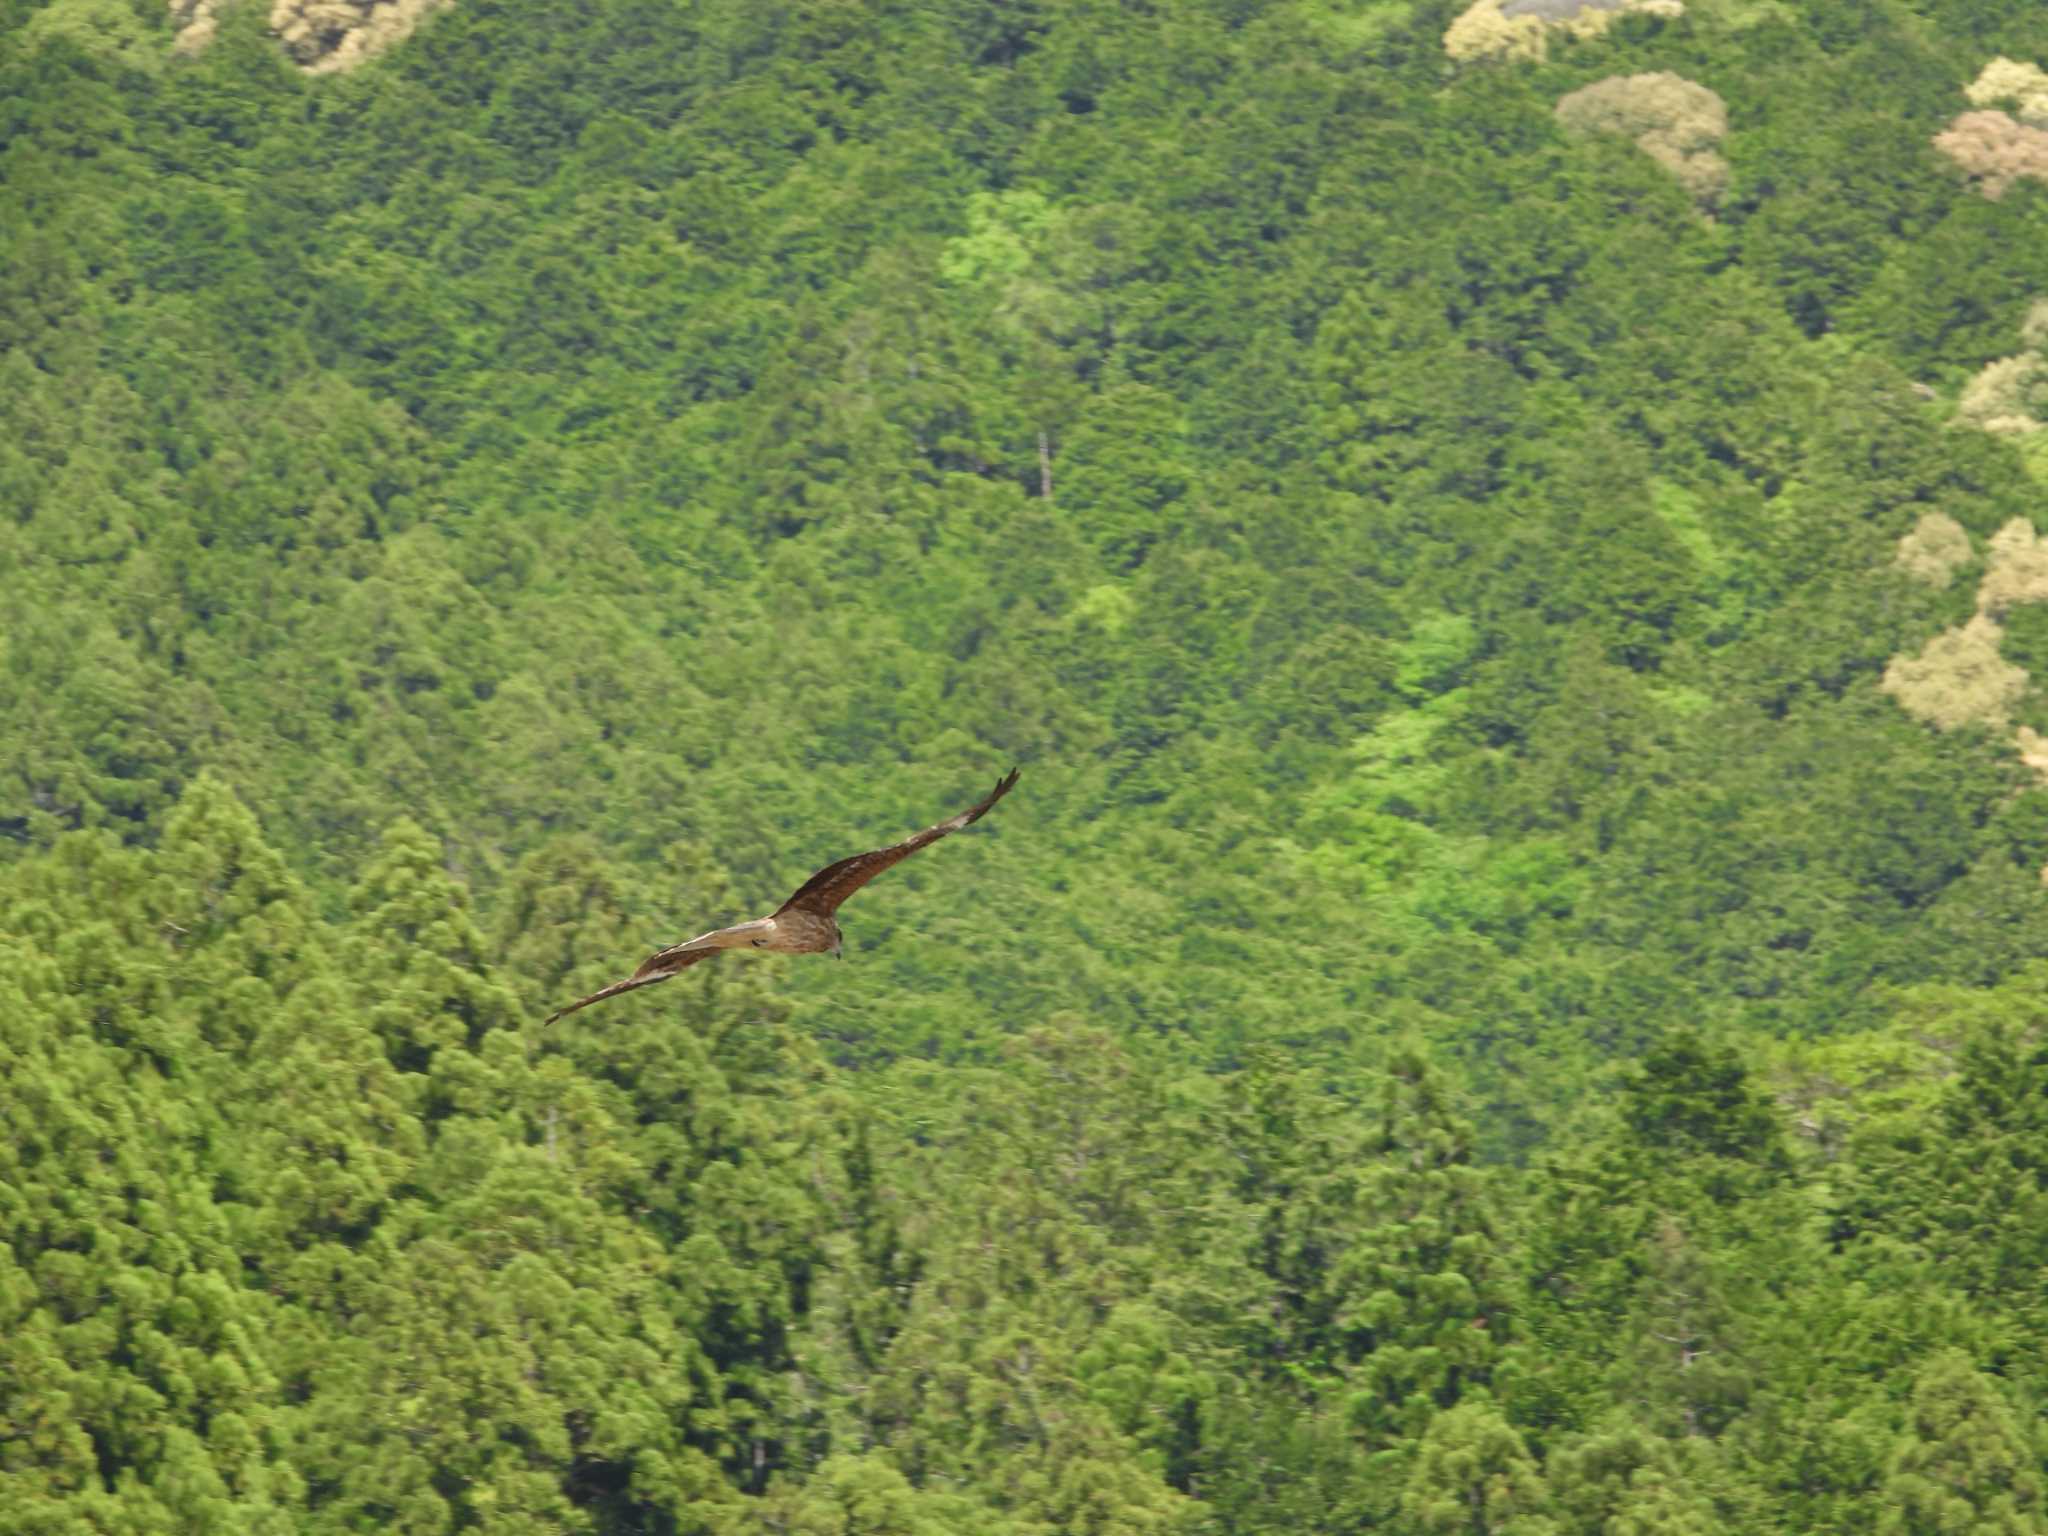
(831, 885)
(656, 967)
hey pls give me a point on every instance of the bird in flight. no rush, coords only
(802, 925)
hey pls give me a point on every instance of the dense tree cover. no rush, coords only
(310, 1226)
(1482, 1015)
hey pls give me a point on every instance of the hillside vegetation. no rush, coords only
(1512, 993)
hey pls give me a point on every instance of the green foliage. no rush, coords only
(1473, 1473)
(1962, 1464)
(1691, 1099)
(1482, 1014)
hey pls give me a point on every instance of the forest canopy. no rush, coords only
(1508, 997)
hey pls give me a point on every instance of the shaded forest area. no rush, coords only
(1509, 997)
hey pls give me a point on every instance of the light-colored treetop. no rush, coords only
(2009, 395)
(2010, 82)
(1935, 549)
(1520, 29)
(1958, 679)
(323, 36)
(1995, 149)
(2017, 570)
(1673, 120)
(2006, 395)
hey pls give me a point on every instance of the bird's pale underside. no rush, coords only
(802, 925)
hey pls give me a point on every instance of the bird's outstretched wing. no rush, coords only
(665, 963)
(831, 885)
